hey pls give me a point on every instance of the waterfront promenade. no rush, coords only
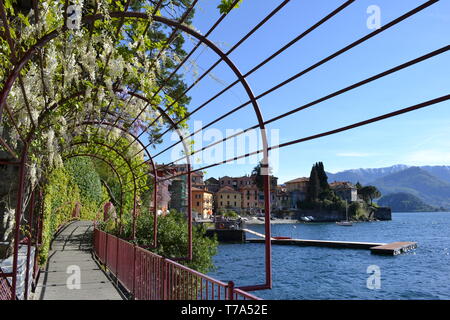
(70, 257)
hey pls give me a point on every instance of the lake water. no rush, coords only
(327, 273)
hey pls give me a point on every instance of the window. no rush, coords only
(220, 203)
(235, 203)
(198, 204)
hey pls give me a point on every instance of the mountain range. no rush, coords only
(431, 184)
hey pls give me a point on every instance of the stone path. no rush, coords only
(70, 258)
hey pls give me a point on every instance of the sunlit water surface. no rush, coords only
(326, 273)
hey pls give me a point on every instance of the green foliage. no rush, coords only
(173, 239)
(61, 194)
(318, 187)
(258, 178)
(319, 195)
(334, 204)
(83, 171)
(369, 193)
(357, 211)
(313, 185)
(76, 182)
(230, 214)
(226, 6)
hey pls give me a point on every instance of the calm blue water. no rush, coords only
(326, 273)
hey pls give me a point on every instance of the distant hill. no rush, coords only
(431, 184)
(441, 172)
(418, 182)
(364, 176)
(405, 202)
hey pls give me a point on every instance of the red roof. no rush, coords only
(303, 179)
(227, 189)
(202, 190)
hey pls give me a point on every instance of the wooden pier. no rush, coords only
(392, 249)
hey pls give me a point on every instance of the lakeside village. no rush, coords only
(308, 199)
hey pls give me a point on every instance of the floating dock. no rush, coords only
(227, 235)
(392, 249)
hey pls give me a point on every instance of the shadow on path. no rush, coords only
(70, 263)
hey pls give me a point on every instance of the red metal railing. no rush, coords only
(148, 276)
(5, 288)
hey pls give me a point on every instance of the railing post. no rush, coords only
(105, 263)
(133, 291)
(30, 235)
(164, 281)
(230, 289)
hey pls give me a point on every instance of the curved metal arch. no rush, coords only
(171, 122)
(131, 171)
(143, 16)
(109, 124)
(155, 188)
(111, 165)
(265, 163)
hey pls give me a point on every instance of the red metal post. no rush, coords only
(18, 217)
(230, 289)
(38, 233)
(31, 211)
(133, 289)
(155, 211)
(189, 213)
(268, 247)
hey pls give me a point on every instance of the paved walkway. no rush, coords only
(71, 256)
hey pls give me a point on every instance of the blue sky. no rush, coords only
(417, 138)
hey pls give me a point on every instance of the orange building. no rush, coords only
(202, 202)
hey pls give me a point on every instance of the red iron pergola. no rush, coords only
(114, 120)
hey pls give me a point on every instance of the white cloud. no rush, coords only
(354, 154)
(428, 157)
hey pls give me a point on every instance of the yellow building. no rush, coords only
(202, 202)
(228, 198)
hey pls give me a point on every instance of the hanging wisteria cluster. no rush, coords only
(86, 73)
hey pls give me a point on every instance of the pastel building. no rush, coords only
(202, 202)
(228, 198)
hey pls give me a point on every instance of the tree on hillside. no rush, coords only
(369, 193)
(323, 179)
(313, 186)
(258, 178)
(325, 190)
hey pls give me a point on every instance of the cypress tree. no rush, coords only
(323, 179)
(314, 185)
